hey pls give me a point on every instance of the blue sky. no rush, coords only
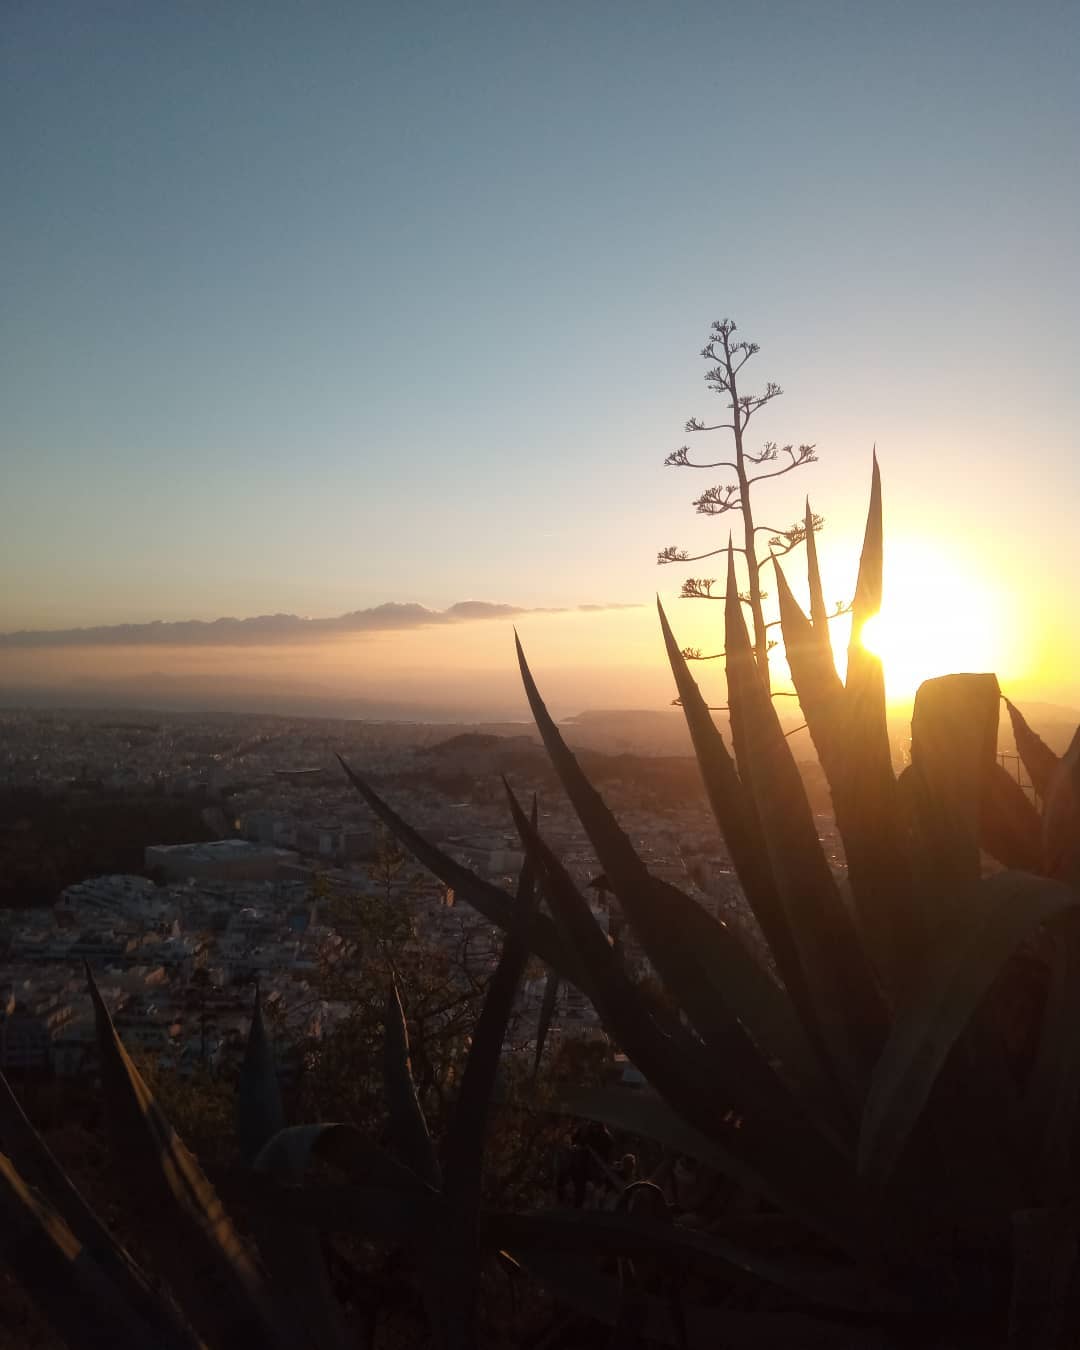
(311, 307)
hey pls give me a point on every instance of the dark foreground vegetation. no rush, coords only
(888, 1081)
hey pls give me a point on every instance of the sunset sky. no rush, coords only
(311, 308)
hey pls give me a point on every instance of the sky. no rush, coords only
(314, 308)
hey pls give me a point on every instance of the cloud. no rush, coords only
(271, 629)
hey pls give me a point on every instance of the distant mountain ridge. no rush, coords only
(273, 628)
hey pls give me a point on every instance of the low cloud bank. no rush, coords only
(266, 629)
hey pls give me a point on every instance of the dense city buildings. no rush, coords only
(280, 857)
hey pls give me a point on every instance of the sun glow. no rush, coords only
(935, 620)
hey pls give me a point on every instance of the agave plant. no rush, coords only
(858, 1080)
(852, 1071)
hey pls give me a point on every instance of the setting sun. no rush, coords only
(935, 620)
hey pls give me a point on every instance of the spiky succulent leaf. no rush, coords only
(597, 1295)
(829, 1285)
(967, 956)
(953, 745)
(1045, 1250)
(38, 1167)
(1035, 755)
(1009, 826)
(547, 1013)
(175, 1210)
(408, 1126)
(259, 1112)
(1061, 818)
(466, 1137)
(849, 1019)
(775, 1157)
(819, 614)
(735, 811)
(863, 793)
(863, 782)
(292, 1252)
(727, 996)
(490, 901)
(1052, 1097)
(66, 1282)
(372, 1211)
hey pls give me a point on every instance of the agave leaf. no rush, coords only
(967, 956)
(293, 1253)
(868, 587)
(1061, 818)
(849, 1017)
(491, 901)
(733, 1004)
(408, 1126)
(1035, 755)
(597, 1295)
(452, 1260)
(1009, 826)
(259, 1112)
(813, 670)
(1044, 1258)
(863, 789)
(735, 812)
(819, 615)
(175, 1210)
(290, 1153)
(954, 729)
(464, 1151)
(39, 1168)
(65, 1281)
(372, 1211)
(778, 1159)
(672, 1053)
(1053, 1088)
(774, 1024)
(630, 1235)
(547, 1013)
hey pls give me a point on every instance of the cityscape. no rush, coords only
(283, 844)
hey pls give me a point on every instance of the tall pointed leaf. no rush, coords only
(259, 1112)
(292, 1255)
(491, 901)
(877, 871)
(779, 1159)
(849, 1016)
(819, 615)
(65, 1281)
(1044, 1261)
(734, 809)
(863, 782)
(465, 1140)
(953, 745)
(774, 1026)
(175, 1210)
(1035, 755)
(40, 1169)
(719, 984)
(1009, 826)
(597, 1295)
(598, 1232)
(408, 1127)
(1052, 1099)
(967, 956)
(547, 1013)
(293, 1252)
(813, 670)
(1061, 818)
